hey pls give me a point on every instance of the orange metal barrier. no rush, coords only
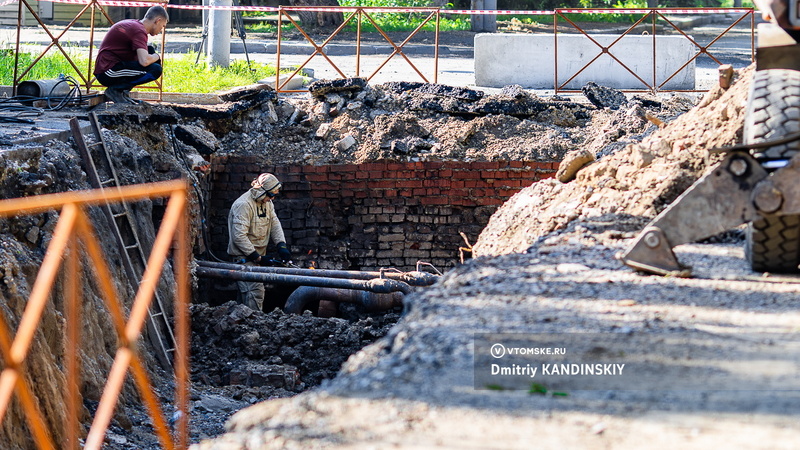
(73, 226)
(654, 15)
(356, 14)
(92, 6)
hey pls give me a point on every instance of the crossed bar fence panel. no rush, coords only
(704, 49)
(654, 14)
(87, 79)
(74, 227)
(357, 14)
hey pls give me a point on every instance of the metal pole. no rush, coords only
(436, 51)
(654, 87)
(16, 52)
(278, 51)
(72, 313)
(358, 42)
(415, 278)
(219, 36)
(374, 285)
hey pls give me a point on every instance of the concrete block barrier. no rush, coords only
(529, 60)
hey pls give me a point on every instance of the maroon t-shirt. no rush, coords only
(120, 44)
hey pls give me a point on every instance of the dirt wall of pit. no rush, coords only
(378, 214)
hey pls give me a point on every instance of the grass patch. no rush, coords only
(181, 74)
(386, 21)
(49, 67)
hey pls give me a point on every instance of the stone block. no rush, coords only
(529, 60)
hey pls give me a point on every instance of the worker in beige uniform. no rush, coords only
(252, 223)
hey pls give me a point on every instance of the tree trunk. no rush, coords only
(312, 19)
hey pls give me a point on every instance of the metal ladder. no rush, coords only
(102, 175)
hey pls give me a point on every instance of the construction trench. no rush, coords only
(385, 188)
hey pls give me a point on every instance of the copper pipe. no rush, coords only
(34, 416)
(150, 400)
(46, 202)
(183, 329)
(108, 401)
(72, 314)
(44, 282)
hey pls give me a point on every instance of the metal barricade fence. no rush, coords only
(357, 16)
(74, 226)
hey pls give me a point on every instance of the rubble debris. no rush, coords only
(725, 76)
(604, 97)
(200, 139)
(322, 87)
(461, 125)
(572, 163)
(286, 353)
(627, 185)
(224, 110)
(441, 90)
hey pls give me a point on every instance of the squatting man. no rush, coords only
(125, 59)
(252, 223)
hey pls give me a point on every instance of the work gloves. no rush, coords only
(283, 252)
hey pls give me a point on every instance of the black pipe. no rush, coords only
(378, 285)
(414, 278)
(371, 301)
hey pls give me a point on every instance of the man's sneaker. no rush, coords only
(115, 95)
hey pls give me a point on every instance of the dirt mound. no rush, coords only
(352, 123)
(275, 354)
(626, 185)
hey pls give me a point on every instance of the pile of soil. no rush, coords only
(348, 121)
(629, 186)
(547, 266)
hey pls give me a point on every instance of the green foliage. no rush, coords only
(181, 74)
(269, 27)
(404, 21)
(49, 67)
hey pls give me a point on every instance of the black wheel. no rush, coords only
(773, 111)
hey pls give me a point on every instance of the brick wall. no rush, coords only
(380, 214)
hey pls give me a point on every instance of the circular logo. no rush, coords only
(498, 350)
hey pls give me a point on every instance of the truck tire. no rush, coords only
(773, 111)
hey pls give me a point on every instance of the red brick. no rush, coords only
(467, 175)
(343, 168)
(433, 200)
(416, 183)
(488, 201)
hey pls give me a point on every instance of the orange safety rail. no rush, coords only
(87, 79)
(356, 14)
(654, 14)
(73, 226)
